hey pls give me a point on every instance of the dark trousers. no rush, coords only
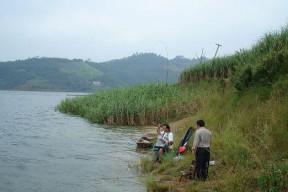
(202, 162)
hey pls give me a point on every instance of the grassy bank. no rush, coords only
(244, 100)
(246, 107)
(250, 143)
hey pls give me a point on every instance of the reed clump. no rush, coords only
(137, 105)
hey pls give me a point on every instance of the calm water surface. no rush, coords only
(44, 150)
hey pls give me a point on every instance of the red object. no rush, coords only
(182, 150)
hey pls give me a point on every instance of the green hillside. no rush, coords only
(56, 74)
(144, 68)
(243, 99)
(47, 74)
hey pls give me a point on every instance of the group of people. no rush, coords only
(200, 148)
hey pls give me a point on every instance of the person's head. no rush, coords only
(200, 123)
(166, 127)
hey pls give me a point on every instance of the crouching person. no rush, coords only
(164, 141)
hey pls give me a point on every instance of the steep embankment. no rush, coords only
(246, 107)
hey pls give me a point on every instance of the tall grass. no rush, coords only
(249, 145)
(262, 63)
(140, 104)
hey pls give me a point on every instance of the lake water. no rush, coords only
(44, 150)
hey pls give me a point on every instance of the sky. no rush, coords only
(102, 30)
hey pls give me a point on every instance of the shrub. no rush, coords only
(274, 178)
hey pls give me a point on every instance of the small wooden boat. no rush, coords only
(142, 143)
(146, 141)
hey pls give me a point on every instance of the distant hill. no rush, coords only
(47, 74)
(57, 74)
(144, 68)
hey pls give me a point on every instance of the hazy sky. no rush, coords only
(112, 29)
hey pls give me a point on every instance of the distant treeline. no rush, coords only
(58, 74)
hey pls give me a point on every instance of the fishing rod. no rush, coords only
(101, 153)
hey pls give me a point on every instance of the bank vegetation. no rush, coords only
(242, 97)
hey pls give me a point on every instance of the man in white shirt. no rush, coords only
(164, 141)
(201, 148)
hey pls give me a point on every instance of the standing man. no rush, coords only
(164, 141)
(201, 148)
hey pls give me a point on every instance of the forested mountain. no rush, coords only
(57, 74)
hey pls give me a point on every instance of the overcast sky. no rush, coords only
(112, 29)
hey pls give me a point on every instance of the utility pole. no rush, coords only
(218, 45)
